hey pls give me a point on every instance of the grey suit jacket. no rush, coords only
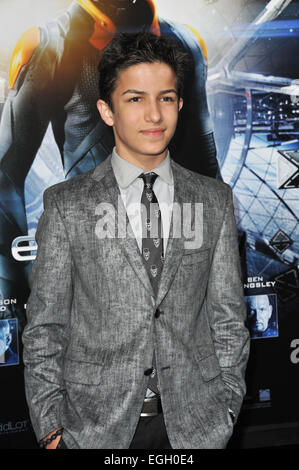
(91, 325)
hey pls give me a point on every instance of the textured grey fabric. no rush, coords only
(91, 326)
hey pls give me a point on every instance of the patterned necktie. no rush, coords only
(152, 231)
(152, 245)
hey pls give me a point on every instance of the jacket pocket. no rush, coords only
(192, 257)
(81, 372)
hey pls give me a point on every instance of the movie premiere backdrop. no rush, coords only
(50, 131)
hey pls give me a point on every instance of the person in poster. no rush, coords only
(121, 335)
(8, 342)
(262, 316)
(53, 79)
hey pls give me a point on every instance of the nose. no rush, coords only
(153, 112)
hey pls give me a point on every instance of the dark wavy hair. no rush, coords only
(128, 49)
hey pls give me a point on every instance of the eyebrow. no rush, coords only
(138, 92)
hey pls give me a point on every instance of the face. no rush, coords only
(261, 308)
(145, 112)
(5, 338)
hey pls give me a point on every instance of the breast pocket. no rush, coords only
(192, 256)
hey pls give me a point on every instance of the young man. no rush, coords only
(136, 338)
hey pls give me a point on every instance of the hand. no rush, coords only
(54, 443)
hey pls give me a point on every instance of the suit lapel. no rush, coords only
(105, 189)
(175, 244)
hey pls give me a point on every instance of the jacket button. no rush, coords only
(149, 371)
(158, 313)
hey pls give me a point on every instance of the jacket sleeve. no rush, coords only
(46, 334)
(227, 311)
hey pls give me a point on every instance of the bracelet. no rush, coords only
(44, 442)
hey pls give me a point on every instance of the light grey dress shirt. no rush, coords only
(131, 188)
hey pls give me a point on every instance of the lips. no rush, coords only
(153, 132)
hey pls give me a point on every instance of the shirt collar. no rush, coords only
(125, 172)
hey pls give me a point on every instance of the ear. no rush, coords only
(181, 102)
(105, 112)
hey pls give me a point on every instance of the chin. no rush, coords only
(260, 330)
(156, 151)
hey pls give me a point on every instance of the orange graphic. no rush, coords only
(22, 53)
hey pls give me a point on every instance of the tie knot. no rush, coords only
(148, 179)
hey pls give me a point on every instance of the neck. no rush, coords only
(145, 162)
